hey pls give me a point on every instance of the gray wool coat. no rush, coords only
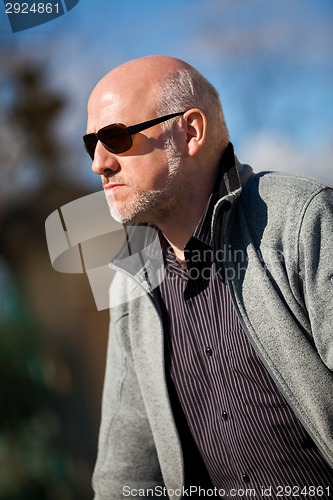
(273, 237)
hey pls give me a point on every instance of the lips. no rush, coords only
(112, 186)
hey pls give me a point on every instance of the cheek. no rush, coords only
(149, 172)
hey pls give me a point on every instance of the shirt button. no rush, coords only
(246, 478)
(209, 351)
(225, 415)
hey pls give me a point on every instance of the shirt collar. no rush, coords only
(203, 230)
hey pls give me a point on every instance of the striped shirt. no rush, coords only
(246, 433)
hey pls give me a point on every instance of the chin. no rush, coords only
(124, 217)
(141, 209)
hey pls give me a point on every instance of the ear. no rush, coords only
(195, 128)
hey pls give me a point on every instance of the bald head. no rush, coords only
(130, 89)
(151, 86)
(154, 66)
(134, 82)
(145, 72)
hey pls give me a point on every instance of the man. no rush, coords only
(219, 362)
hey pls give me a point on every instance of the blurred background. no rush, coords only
(272, 65)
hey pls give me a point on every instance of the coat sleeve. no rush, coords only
(127, 459)
(316, 269)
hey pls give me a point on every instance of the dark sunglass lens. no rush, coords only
(90, 142)
(116, 138)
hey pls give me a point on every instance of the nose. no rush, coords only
(104, 163)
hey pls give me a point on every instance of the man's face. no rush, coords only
(142, 184)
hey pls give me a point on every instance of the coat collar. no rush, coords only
(234, 177)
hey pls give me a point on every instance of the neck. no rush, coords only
(181, 223)
(178, 236)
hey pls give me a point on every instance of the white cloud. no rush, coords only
(276, 152)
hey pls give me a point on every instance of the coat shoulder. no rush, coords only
(280, 185)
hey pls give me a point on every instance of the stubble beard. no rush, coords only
(152, 206)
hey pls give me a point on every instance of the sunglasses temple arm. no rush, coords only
(135, 129)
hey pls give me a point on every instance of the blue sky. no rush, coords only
(271, 62)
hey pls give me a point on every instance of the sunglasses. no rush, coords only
(117, 138)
